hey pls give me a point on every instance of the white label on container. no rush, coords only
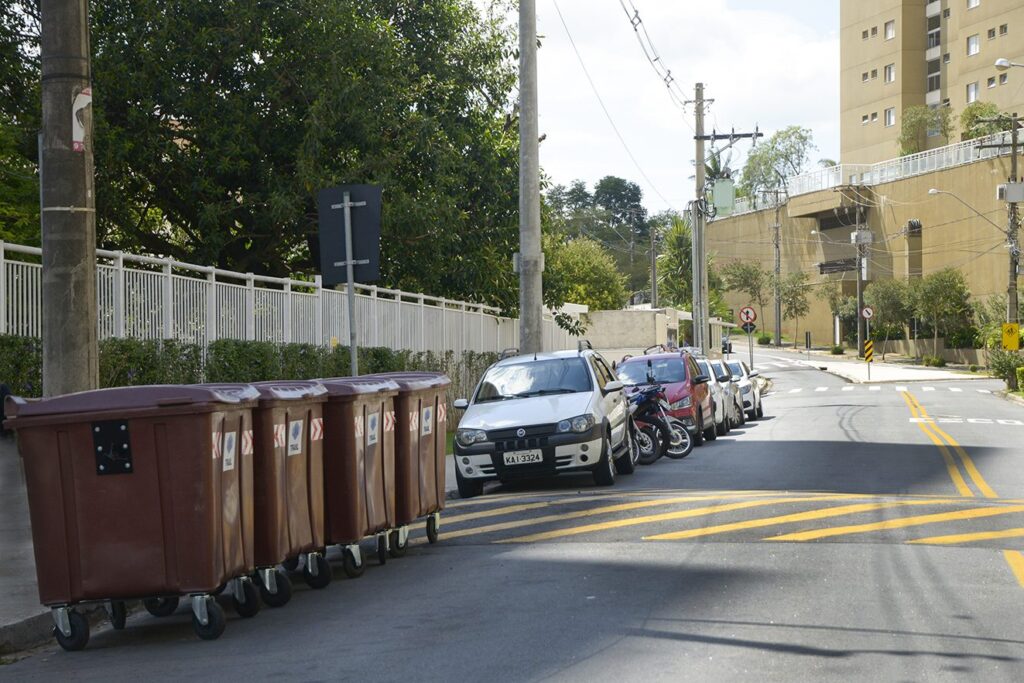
(295, 437)
(372, 428)
(230, 444)
(428, 420)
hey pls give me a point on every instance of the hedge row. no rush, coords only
(131, 362)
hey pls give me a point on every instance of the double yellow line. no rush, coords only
(944, 441)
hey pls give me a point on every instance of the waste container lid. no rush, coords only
(119, 399)
(289, 390)
(414, 381)
(355, 386)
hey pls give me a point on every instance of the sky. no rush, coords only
(766, 63)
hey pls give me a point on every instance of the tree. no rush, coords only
(943, 299)
(19, 192)
(749, 278)
(581, 271)
(675, 276)
(891, 304)
(793, 292)
(717, 166)
(970, 122)
(917, 122)
(786, 153)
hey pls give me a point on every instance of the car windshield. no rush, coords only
(534, 378)
(737, 370)
(721, 372)
(665, 371)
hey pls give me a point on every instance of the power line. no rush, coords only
(608, 115)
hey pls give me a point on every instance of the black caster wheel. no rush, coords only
(215, 621)
(251, 606)
(118, 614)
(79, 637)
(382, 549)
(352, 570)
(323, 573)
(161, 607)
(283, 594)
(291, 564)
(432, 532)
(397, 548)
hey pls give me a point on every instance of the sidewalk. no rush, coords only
(857, 370)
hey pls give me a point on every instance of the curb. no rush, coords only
(37, 630)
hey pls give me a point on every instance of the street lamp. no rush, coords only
(1003, 64)
(998, 227)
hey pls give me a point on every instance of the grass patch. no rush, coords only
(450, 441)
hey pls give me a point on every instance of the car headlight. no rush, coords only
(468, 437)
(746, 390)
(577, 424)
(684, 402)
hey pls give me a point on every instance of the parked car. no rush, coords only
(750, 389)
(721, 398)
(541, 415)
(686, 388)
(732, 385)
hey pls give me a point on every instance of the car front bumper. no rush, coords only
(560, 453)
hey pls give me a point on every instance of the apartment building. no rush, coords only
(895, 54)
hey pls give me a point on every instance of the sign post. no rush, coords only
(869, 346)
(747, 317)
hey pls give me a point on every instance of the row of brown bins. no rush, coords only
(167, 492)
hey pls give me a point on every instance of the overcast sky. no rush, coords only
(770, 63)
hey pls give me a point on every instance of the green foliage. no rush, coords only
(970, 122)
(21, 364)
(134, 362)
(234, 360)
(944, 299)
(974, 368)
(1004, 364)
(581, 271)
(749, 278)
(786, 153)
(892, 304)
(764, 339)
(934, 361)
(793, 292)
(838, 350)
(967, 337)
(675, 276)
(916, 121)
(1020, 376)
(19, 190)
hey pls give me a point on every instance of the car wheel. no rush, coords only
(604, 471)
(626, 462)
(698, 437)
(760, 410)
(723, 428)
(711, 433)
(468, 488)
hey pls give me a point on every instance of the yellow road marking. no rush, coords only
(822, 513)
(1016, 562)
(663, 517)
(972, 470)
(497, 512)
(951, 468)
(973, 513)
(968, 538)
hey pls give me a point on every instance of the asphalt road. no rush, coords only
(855, 532)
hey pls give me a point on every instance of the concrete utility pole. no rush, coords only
(68, 202)
(777, 242)
(860, 283)
(654, 270)
(698, 259)
(531, 258)
(1013, 222)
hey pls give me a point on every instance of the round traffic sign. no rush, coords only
(747, 314)
(867, 312)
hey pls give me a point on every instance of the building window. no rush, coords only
(1003, 78)
(890, 73)
(863, 119)
(971, 4)
(874, 31)
(991, 81)
(945, 58)
(864, 77)
(890, 117)
(973, 45)
(972, 92)
(890, 29)
(874, 116)
(945, 13)
(874, 73)
(934, 75)
(1004, 29)
(991, 34)
(864, 34)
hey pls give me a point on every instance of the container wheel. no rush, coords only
(161, 607)
(283, 594)
(323, 573)
(215, 621)
(79, 637)
(291, 564)
(397, 547)
(352, 570)
(251, 606)
(432, 530)
(382, 548)
(118, 614)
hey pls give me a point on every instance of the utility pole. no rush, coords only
(654, 270)
(860, 282)
(777, 242)
(68, 201)
(530, 259)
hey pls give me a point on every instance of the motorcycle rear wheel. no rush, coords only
(680, 443)
(648, 442)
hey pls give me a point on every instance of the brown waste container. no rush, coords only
(288, 429)
(420, 444)
(359, 465)
(138, 492)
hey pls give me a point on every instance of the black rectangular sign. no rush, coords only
(365, 233)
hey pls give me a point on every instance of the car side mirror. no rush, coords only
(701, 379)
(460, 404)
(614, 385)
(753, 373)
(615, 366)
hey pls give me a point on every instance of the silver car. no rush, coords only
(724, 375)
(722, 402)
(749, 387)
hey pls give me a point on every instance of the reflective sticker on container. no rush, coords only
(372, 427)
(295, 437)
(247, 442)
(280, 436)
(442, 413)
(414, 420)
(359, 426)
(316, 429)
(428, 420)
(230, 442)
(389, 421)
(216, 445)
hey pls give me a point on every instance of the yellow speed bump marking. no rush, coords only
(1016, 562)
(664, 517)
(972, 470)
(959, 515)
(822, 513)
(951, 468)
(969, 538)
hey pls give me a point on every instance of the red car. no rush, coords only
(686, 388)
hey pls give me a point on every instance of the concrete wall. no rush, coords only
(627, 329)
(925, 347)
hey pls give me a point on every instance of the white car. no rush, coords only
(750, 389)
(541, 415)
(721, 397)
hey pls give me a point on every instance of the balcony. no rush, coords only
(932, 9)
(933, 98)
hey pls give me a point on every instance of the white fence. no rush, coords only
(152, 298)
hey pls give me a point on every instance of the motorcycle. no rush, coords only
(657, 433)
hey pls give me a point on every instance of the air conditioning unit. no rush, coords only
(1010, 192)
